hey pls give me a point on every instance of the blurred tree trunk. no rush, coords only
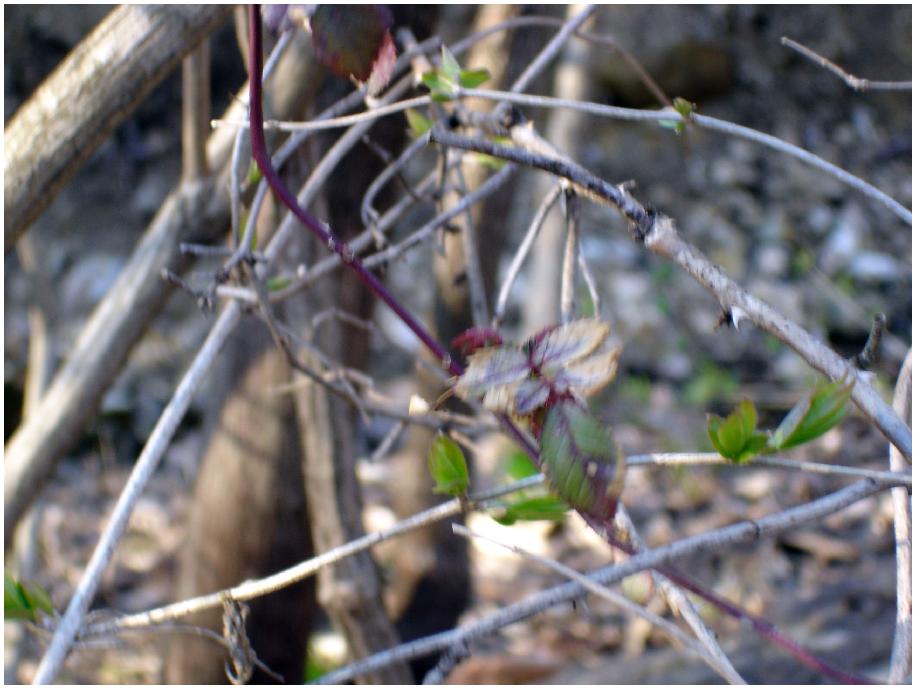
(248, 518)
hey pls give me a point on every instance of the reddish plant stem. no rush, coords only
(347, 256)
(261, 156)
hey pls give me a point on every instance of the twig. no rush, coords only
(902, 650)
(718, 539)
(853, 82)
(146, 463)
(679, 603)
(332, 123)
(707, 123)
(872, 349)
(658, 233)
(570, 254)
(590, 282)
(260, 587)
(893, 478)
(608, 594)
(195, 111)
(519, 258)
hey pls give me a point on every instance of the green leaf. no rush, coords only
(23, 601)
(815, 414)
(254, 174)
(448, 467)
(581, 459)
(419, 124)
(278, 282)
(684, 107)
(736, 437)
(440, 87)
(450, 66)
(544, 508)
(472, 78)
(677, 127)
(519, 465)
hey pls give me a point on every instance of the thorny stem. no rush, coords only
(642, 219)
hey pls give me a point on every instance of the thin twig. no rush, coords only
(714, 459)
(853, 82)
(570, 254)
(901, 664)
(680, 604)
(146, 463)
(706, 122)
(332, 123)
(711, 541)
(604, 592)
(522, 253)
(659, 235)
(260, 587)
(871, 352)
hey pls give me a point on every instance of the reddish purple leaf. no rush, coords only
(354, 41)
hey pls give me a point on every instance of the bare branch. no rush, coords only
(716, 540)
(706, 122)
(658, 233)
(618, 599)
(901, 663)
(853, 82)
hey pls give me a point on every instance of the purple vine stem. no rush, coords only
(335, 244)
(349, 259)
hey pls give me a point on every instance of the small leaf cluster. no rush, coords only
(545, 381)
(684, 108)
(736, 437)
(24, 601)
(444, 83)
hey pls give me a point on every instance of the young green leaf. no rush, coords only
(684, 107)
(419, 124)
(472, 78)
(441, 89)
(815, 414)
(736, 437)
(581, 459)
(450, 66)
(23, 601)
(447, 466)
(519, 465)
(277, 282)
(543, 508)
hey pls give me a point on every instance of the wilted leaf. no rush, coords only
(558, 346)
(448, 467)
(575, 360)
(23, 601)
(494, 371)
(815, 414)
(591, 373)
(541, 508)
(581, 460)
(354, 41)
